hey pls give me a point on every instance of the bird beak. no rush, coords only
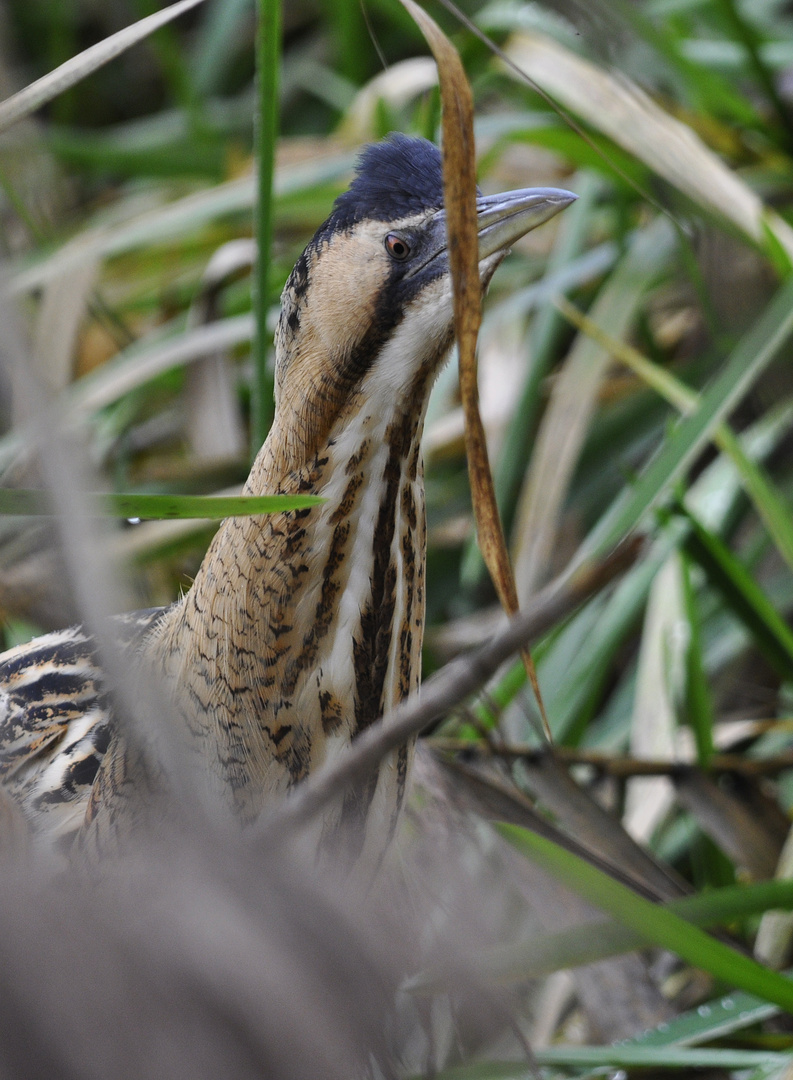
(503, 219)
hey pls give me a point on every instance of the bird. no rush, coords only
(300, 628)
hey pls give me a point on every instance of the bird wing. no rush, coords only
(56, 721)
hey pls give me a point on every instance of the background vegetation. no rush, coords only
(126, 214)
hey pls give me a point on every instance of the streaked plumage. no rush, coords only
(300, 629)
(55, 723)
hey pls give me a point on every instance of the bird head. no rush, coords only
(367, 312)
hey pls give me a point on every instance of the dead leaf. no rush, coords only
(459, 190)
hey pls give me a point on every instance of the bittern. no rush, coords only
(300, 628)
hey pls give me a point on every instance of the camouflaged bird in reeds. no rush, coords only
(301, 628)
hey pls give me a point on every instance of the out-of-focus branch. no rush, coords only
(625, 767)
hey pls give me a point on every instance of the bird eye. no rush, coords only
(396, 246)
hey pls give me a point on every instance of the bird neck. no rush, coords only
(302, 628)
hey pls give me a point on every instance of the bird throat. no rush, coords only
(301, 629)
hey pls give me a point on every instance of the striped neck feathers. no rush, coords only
(301, 629)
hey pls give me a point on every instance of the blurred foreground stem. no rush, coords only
(268, 55)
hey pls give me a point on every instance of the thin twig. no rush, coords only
(621, 767)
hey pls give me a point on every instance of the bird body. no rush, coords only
(56, 724)
(301, 628)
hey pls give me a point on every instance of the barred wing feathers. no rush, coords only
(56, 722)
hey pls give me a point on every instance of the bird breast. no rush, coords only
(301, 629)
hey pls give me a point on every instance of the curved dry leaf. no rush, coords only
(654, 720)
(213, 417)
(618, 107)
(49, 86)
(732, 822)
(64, 305)
(214, 424)
(775, 932)
(459, 192)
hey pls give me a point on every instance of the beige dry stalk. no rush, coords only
(459, 190)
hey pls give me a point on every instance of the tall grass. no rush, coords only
(665, 411)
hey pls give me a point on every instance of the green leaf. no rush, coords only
(746, 363)
(655, 923)
(698, 704)
(777, 254)
(216, 41)
(615, 1057)
(521, 960)
(28, 501)
(546, 330)
(711, 92)
(770, 504)
(742, 593)
(712, 1020)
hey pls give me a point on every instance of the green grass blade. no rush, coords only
(636, 1057)
(772, 507)
(614, 1057)
(268, 59)
(719, 1017)
(745, 33)
(216, 42)
(697, 701)
(741, 592)
(28, 501)
(587, 944)
(545, 331)
(746, 363)
(351, 42)
(658, 925)
(770, 504)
